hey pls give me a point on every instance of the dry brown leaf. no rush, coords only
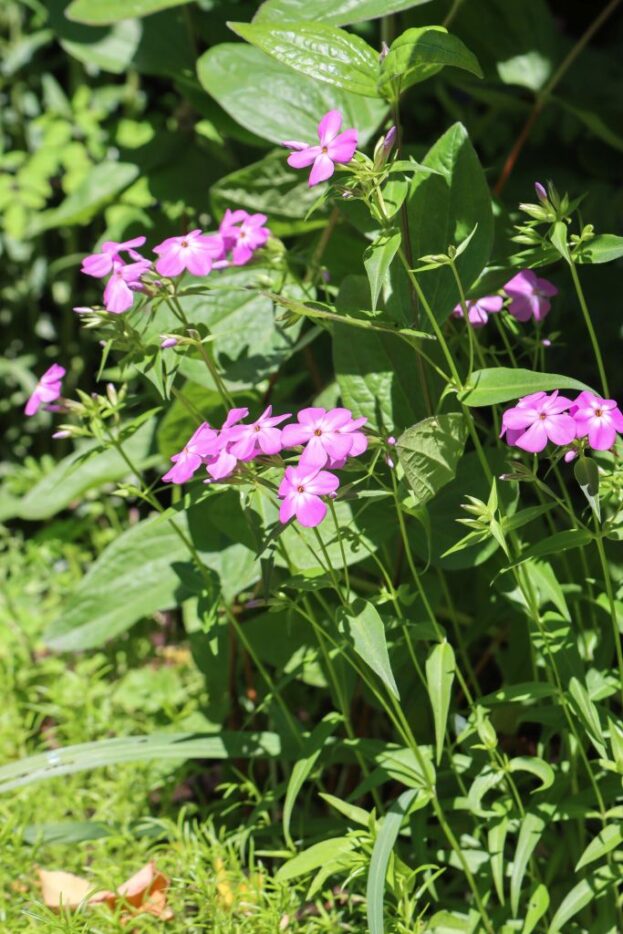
(145, 891)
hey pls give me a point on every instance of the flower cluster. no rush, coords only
(47, 390)
(539, 418)
(333, 147)
(328, 439)
(239, 235)
(529, 298)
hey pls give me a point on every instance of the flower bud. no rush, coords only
(384, 51)
(168, 342)
(541, 191)
(390, 138)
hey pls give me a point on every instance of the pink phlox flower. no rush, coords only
(327, 436)
(479, 309)
(203, 443)
(123, 283)
(537, 419)
(598, 419)
(260, 437)
(334, 147)
(301, 489)
(529, 296)
(100, 264)
(222, 463)
(47, 390)
(243, 234)
(195, 251)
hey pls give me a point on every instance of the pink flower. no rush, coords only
(301, 489)
(537, 419)
(194, 251)
(100, 264)
(204, 442)
(222, 464)
(334, 147)
(243, 234)
(48, 389)
(478, 311)
(599, 419)
(123, 283)
(261, 437)
(529, 296)
(328, 436)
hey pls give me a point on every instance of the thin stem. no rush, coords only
(590, 329)
(612, 605)
(342, 551)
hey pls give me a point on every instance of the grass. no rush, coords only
(194, 821)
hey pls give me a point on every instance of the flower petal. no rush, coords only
(322, 170)
(329, 127)
(305, 157)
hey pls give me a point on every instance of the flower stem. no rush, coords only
(590, 329)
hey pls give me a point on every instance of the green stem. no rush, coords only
(591, 330)
(612, 605)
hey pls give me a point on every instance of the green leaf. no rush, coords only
(322, 52)
(558, 542)
(381, 852)
(377, 378)
(327, 853)
(440, 669)
(67, 831)
(350, 811)
(496, 838)
(558, 239)
(610, 837)
(101, 185)
(604, 248)
(537, 907)
(301, 770)
(444, 207)
(419, 54)
(531, 831)
(136, 574)
(338, 12)
(586, 472)
(103, 12)
(159, 747)
(535, 766)
(501, 384)
(588, 713)
(377, 259)
(579, 897)
(430, 451)
(283, 105)
(367, 631)
(86, 469)
(109, 49)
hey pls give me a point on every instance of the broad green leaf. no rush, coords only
(537, 906)
(501, 384)
(378, 378)
(109, 49)
(103, 12)
(338, 12)
(283, 105)
(326, 853)
(381, 853)
(101, 185)
(139, 572)
(558, 542)
(377, 259)
(367, 631)
(543, 771)
(322, 52)
(301, 770)
(586, 472)
(430, 451)
(444, 207)
(157, 746)
(440, 669)
(419, 54)
(531, 831)
(608, 839)
(604, 248)
(269, 187)
(86, 469)
(579, 897)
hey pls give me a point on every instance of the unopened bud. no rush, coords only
(384, 51)
(390, 138)
(168, 342)
(61, 434)
(82, 310)
(111, 392)
(391, 440)
(541, 192)
(546, 342)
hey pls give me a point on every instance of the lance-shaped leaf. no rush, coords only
(367, 631)
(377, 259)
(440, 669)
(309, 756)
(586, 472)
(430, 451)
(501, 384)
(322, 52)
(419, 54)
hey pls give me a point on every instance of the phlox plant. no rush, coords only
(426, 543)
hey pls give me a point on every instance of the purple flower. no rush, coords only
(48, 389)
(537, 419)
(334, 147)
(328, 436)
(204, 442)
(529, 296)
(541, 191)
(101, 264)
(478, 311)
(194, 251)
(222, 464)
(123, 283)
(260, 437)
(598, 419)
(301, 489)
(243, 234)
(168, 342)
